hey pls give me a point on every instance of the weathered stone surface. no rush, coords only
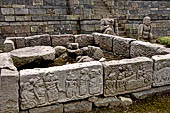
(20, 42)
(62, 40)
(110, 101)
(84, 59)
(9, 45)
(126, 101)
(77, 52)
(139, 48)
(32, 54)
(73, 46)
(23, 111)
(84, 40)
(121, 46)
(151, 92)
(161, 70)
(9, 91)
(60, 50)
(93, 99)
(95, 52)
(6, 61)
(85, 50)
(61, 84)
(48, 109)
(37, 40)
(104, 41)
(127, 75)
(78, 107)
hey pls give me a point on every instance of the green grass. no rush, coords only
(165, 40)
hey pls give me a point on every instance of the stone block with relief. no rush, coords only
(127, 75)
(46, 86)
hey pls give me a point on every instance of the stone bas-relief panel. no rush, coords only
(127, 75)
(161, 70)
(40, 87)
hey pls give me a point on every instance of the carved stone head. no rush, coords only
(147, 20)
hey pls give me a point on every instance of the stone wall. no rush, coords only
(75, 87)
(133, 11)
(29, 17)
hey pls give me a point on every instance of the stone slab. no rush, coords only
(121, 46)
(48, 109)
(84, 40)
(31, 54)
(109, 101)
(78, 107)
(6, 61)
(38, 40)
(103, 40)
(151, 92)
(127, 75)
(60, 84)
(161, 70)
(9, 94)
(146, 49)
(62, 40)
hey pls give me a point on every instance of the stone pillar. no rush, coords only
(9, 94)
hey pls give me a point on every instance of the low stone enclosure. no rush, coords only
(79, 87)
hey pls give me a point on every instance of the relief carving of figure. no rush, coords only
(84, 81)
(109, 26)
(71, 85)
(145, 30)
(50, 82)
(95, 80)
(28, 99)
(39, 90)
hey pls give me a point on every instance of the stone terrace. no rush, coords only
(75, 87)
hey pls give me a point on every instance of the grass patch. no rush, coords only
(165, 40)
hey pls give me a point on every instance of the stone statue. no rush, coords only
(84, 81)
(50, 82)
(145, 30)
(28, 98)
(109, 26)
(39, 90)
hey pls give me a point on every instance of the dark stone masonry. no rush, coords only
(31, 17)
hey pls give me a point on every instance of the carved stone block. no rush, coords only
(84, 40)
(161, 70)
(121, 46)
(104, 41)
(95, 52)
(20, 42)
(9, 94)
(38, 40)
(9, 45)
(6, 62)
(127, 75)
(62, 40)
(146, 49)
(78, 107)
(40, 87)
(48, 109)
